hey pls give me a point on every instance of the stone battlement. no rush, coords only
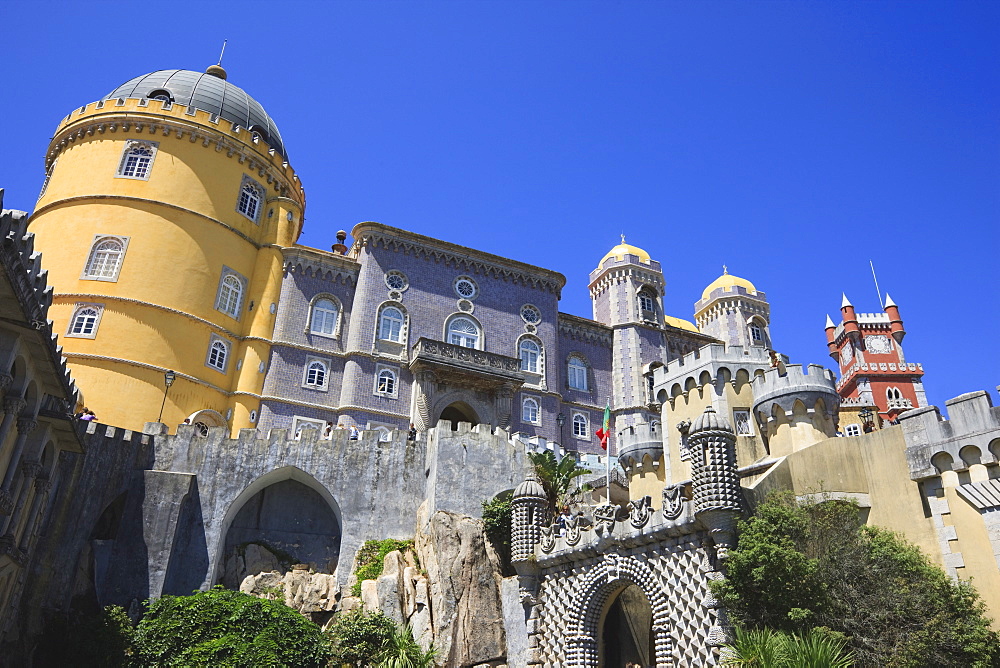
(637, 441)
(972, 435)
(805, 383)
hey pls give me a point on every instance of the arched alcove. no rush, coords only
(285, 517)
(459, 411)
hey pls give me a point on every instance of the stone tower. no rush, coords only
(627, 291)
(797, 409)
(873, 370)
(732, 310)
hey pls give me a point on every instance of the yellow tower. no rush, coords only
(161, 221)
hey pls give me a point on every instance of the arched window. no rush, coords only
(84, 323)
(105, 259)
(647, 302)
(323, 319)
(316, 375)
(529, 352)
(576, 373)
(581, 429)
(390, 326)
(251, 196)
(230, 296)
(385, 382)
(529, 410)
(218, 355)
(463, 332)
(137, 159)
(893, 393)
(756, 333)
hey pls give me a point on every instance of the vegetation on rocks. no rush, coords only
(798, 566)
(371, 559)
(496, 525)
(372, 639)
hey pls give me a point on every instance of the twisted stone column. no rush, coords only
(424, 389)
(42, 487)
(25, 425)
(12, 407)
(29, 471)
(504, 399)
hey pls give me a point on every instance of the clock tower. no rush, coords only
(874, 374)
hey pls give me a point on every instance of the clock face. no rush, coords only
(846, 355)
(878, 344)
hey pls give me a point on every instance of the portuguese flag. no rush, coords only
(605, 429)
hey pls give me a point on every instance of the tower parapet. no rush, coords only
(804, 399)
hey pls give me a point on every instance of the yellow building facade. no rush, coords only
(162, 219)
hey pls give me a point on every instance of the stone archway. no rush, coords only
(606, 580)
(459, 411)
(284, 517)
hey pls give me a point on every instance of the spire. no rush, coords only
(725, 270)
(845, 301)
(829, 322)
(216, 70)
(888, 301)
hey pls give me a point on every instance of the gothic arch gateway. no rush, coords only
(606, 579)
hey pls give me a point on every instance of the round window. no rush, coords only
(396, 280)
(466, 287)
(531, 314)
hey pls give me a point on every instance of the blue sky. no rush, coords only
(791, 141)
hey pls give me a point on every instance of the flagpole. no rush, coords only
(609, 457)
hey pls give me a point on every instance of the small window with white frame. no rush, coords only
(391, 324)
(323, 316)
(218, 354)
(581, 426)
(852, 430)
(301, 425)
(647, 305)
(386, 381)
(85, 320)
(137, 160)
(758, 336)
(251, 199)
(229, 298)
(529, 410)
(742, 424)
(463, 331)
(105, 259)
(576, 373)
(530, 353)
(316, 375)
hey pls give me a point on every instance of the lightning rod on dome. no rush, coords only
(223, 51)
(877, 291)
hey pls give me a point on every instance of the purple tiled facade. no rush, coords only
(477, 375)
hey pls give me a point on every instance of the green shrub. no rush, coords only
(371, 558)
(358, 638)
(496, 525)
(227, 628)
(402, 651)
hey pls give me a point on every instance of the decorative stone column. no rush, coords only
(717, 500)
(505, 396)
(529, 514)
(425, 390)
(30, 470)
(12, 407)
(25, 425)
(5, 380)
(42, 487)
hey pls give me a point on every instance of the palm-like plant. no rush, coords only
(556, 476)
(766, 648)
(402, 651)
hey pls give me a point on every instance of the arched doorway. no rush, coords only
(285, 523)
(627, 630)
(459, 412)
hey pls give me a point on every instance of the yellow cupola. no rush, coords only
(727, 282)
(621, 250)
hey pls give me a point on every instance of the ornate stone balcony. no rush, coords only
(450, 361)
(900, 404)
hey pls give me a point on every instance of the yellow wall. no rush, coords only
(183, 228)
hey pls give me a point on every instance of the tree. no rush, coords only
(556, 476)
(496, 525)
(220, 627)
(798, 566)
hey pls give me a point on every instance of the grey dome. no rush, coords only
(710, 420)
(207, 92)
(531, 488)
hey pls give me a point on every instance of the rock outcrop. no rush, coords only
(464, 589)
(315, 595)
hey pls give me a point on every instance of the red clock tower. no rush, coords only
(873, 372)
